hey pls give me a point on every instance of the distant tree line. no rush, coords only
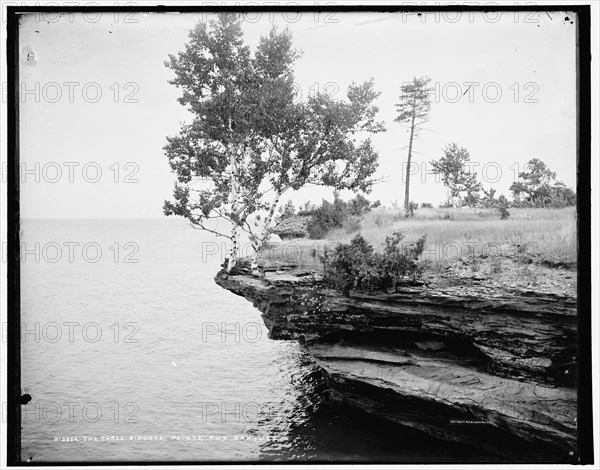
(537, 185)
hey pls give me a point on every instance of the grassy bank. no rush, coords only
(545, 237)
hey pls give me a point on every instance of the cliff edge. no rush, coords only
(456, 360)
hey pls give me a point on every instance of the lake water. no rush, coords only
(131, 352)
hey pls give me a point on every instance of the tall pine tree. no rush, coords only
(413, 110)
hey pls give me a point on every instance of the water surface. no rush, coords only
(132, 353)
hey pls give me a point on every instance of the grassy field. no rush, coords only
(547, 235)
(540, 236)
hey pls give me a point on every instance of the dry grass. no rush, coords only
(546, 235)
(543, 236)
(302, 252)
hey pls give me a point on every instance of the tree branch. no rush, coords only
(202, 227)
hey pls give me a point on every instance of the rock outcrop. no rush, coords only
(493, 368)
(292, 227)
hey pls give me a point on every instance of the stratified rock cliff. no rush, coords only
(461, 362)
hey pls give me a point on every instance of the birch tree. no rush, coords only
(323, 142)
(251, 141)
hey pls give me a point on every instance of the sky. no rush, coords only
(96, 105)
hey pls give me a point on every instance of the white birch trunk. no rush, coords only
(233, 255)
(262, 237)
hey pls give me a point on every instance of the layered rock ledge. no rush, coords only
(460, 362)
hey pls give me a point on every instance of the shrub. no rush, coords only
(489, 200)
(502, 207)
(411, 209)
(426, 205)
(553, 197)
(359, 205)
(329, 215)
(357, 266)
(350, 266)
(353, 224)
(286, 211)
(326, 217)
(400, 260)
(307, 208)
(472, 199)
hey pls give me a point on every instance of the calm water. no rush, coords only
(129, 340)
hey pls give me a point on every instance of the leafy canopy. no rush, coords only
(452, 167)
(250, 140)
(538, 187)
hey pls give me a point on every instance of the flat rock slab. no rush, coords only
(533, 412)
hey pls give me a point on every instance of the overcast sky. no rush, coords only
(95, 98)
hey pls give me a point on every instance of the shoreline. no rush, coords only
(462, 361)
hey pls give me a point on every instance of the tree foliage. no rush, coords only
(456, 176)
(286, 211)
(336, 214)
(489, 199)
(250, 140)
(537, 187)
(415, 101)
